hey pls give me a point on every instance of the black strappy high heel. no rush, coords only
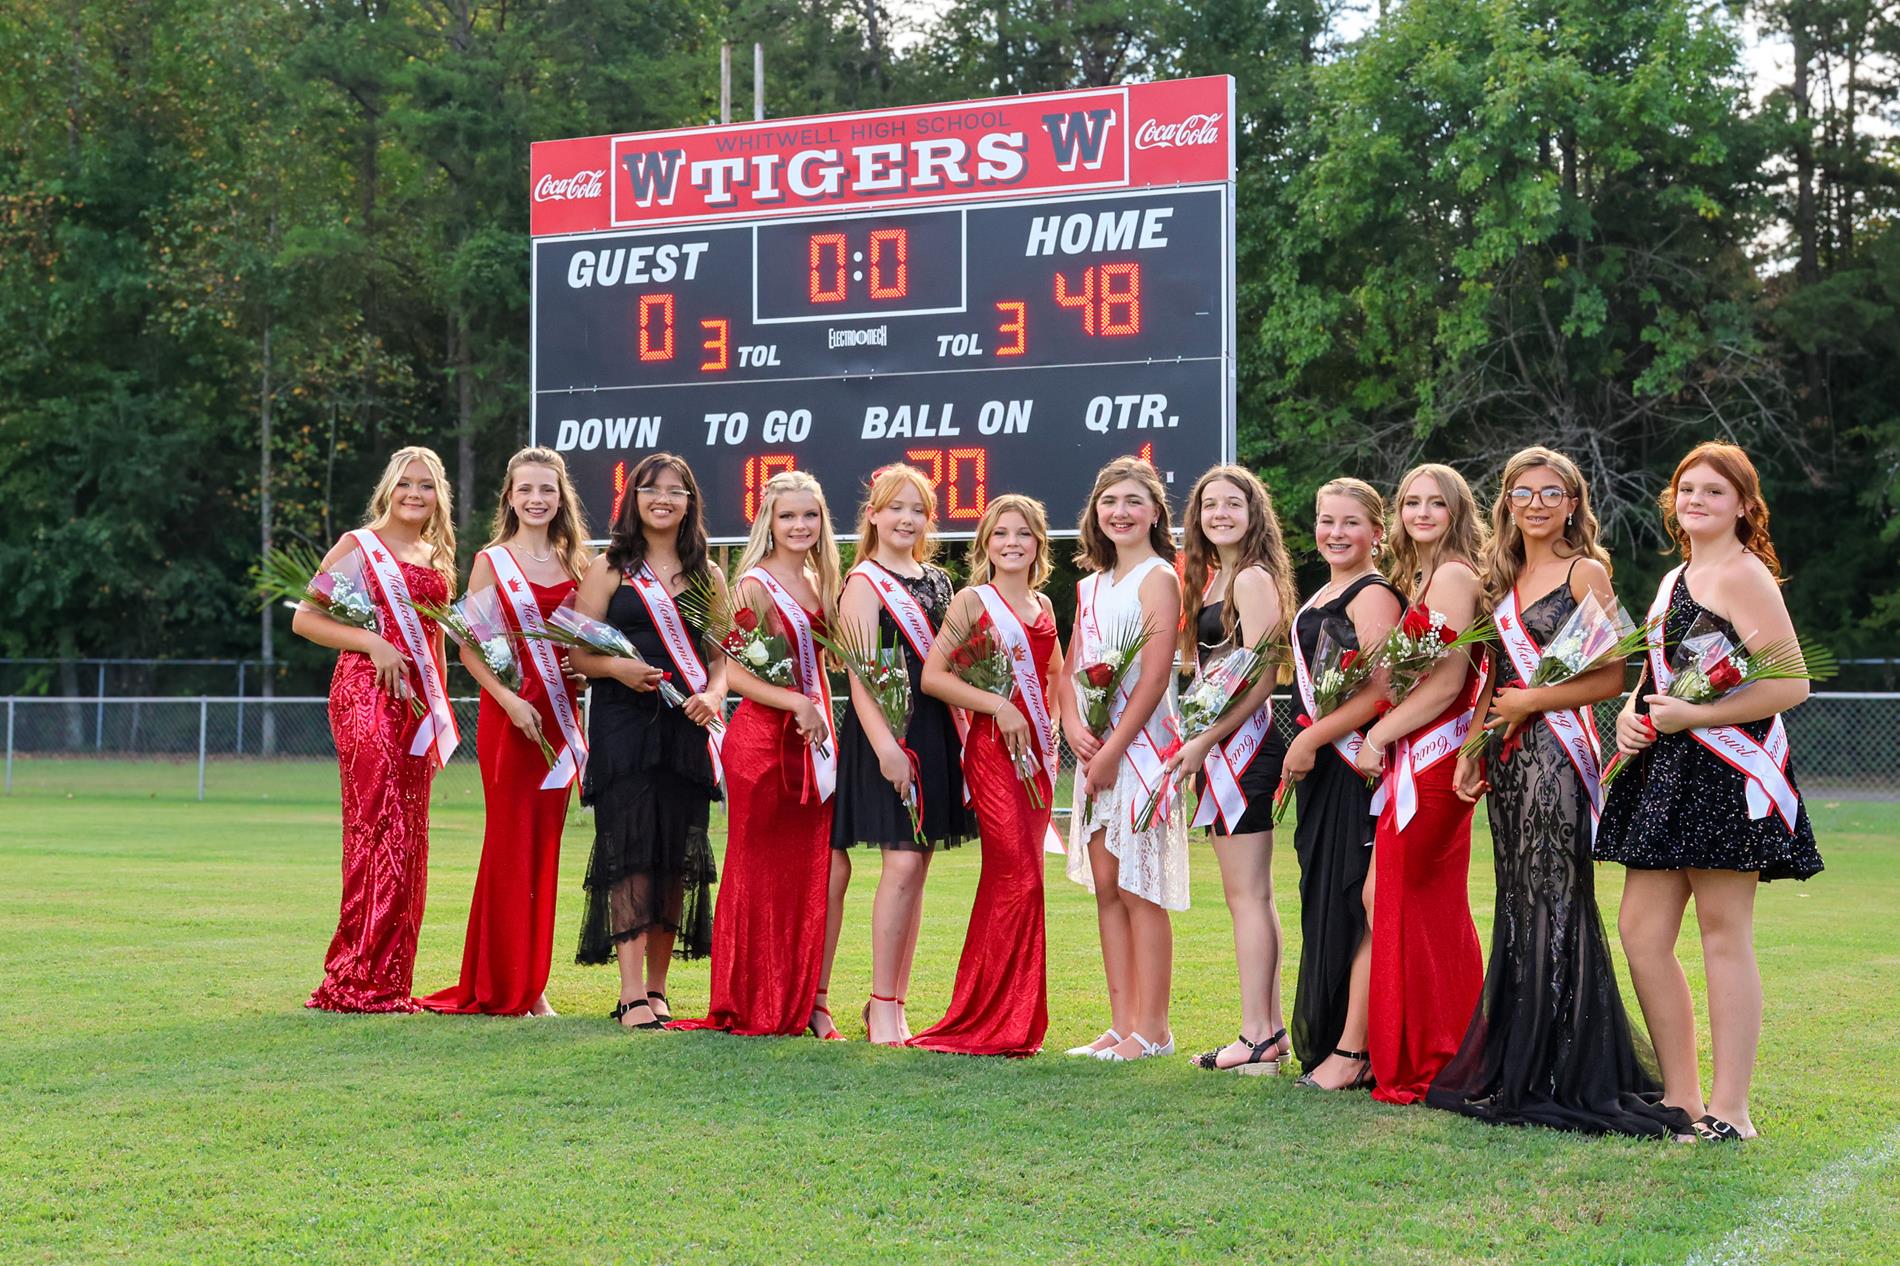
(1363, 1081)
(1256, 1064)
(653, 994)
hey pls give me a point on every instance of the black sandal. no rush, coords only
(651, 995)
(1256, 1063)
(621, 1010)
(1363, 1081)
(1713, 1129)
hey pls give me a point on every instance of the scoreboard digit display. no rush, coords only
(1005, 293)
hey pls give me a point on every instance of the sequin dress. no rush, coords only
(1680, 805)
(372, 958)
(1550, 1042)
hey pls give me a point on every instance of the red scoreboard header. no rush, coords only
(1005, 293)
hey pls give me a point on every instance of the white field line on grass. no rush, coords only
(1777, 1222)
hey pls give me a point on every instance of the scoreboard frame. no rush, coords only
(1166, 145)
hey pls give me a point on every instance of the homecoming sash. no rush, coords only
(1026, 676)
(1143, 755)
(1575, 728)
(1227, 761)
(910, 617)
(437, 727)
(518, 597)
(1416, 755)
(1347, 745)
(679, 646)
(821, 756)
(1765, 764)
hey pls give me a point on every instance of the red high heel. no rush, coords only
(818, 1008)
(867, 1019)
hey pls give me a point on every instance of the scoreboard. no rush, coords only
(1005, 293)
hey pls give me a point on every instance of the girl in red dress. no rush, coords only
(1000, 1006)
(652, 771)
(533, 562)
(768, 936)
(386, 755)
(1427, 967)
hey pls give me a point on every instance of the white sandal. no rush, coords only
(1112, 1056)
(1090, 1048)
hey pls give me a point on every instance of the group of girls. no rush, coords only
(1392, 991)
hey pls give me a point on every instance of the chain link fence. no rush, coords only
(1844, 745)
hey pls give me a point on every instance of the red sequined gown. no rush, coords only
(768, 938)
(372, 959)
(510, 940)
(1001, 1002)
(1427, 966)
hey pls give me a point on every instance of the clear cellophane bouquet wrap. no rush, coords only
(1708, 665)
(1587, 640)
(1218, 687)
(1098, 681)
(567, 627)
(476, 622)
(883, 673)
(977, 657)
(1420, 642)
(740, 634)
(296, 575)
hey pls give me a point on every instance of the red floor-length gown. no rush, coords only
(1427, 966)
(768, 939)
(1001, 1002)
(510, 940)
(372, 959)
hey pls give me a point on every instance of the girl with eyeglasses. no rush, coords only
(651, 775)
(1549, 1042)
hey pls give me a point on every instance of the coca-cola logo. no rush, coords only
(582, 184)
(1196, 129)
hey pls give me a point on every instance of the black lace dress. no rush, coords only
(1680, 805)
(1333, 839)
(1262, 776)
(650, 783)
(865, 808)
(1550, 1043)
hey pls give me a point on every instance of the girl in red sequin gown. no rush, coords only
(510, 941)
(371, 962)
(769, 922)
(1001, 1002)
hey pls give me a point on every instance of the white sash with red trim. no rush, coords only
(1765, 764)
(1347, 745)
(437, 729)
(911, 618)
(665, 615)
(1575, 728)
(518, 596)
(1416, 755)
(1157, 738)
(1027, 678)
(823, 757)
(1226, 762)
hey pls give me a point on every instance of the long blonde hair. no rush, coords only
(1094, 550)
(885, 485)
(1263, 546)
(1033, 514)
(1504, 557)
(439, 532)
(566, 530)
(821, 562)
(1465, 536)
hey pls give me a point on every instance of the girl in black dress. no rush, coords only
(650, 776)
(895, 596)
(1333, 836)
(1682, 818)
(1549, 1043)
(1238, 589)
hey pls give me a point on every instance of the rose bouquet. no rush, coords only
(296, 575)
(476, 623)
(1708, 666)
(569, 628)
(978, 658)
(1339, 673)
(1418, 642)
(741, 635)
(882, 671)
(1212, 695)
(1590, 638)
(1098, 681)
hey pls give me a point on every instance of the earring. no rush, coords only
(1569, 519)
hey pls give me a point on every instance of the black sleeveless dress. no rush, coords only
(865, 808)
(1333, 839)
(1680, 805)
(1261, 778)
(1550, 1042)
(650, 783)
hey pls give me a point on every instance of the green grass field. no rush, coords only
(164, 1096)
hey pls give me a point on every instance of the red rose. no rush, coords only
(982, 621)
(323, 584)
(746, 618)
(1446, 635)
(1417, 623)
(961, 659)
(733, 642)
(1725, 676)
(1346, 660)
(1302, 720)
(1382, 707)
(1099, 674)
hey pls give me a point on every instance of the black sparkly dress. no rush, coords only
(650, 783)
(1333, 839)
(1680, 805)
(1550, 1043)
(1261, 778)
(865, 809)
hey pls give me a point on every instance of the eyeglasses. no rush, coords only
(663, 494)
(1551, 497)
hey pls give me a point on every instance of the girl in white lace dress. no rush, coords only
(1137, 876)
